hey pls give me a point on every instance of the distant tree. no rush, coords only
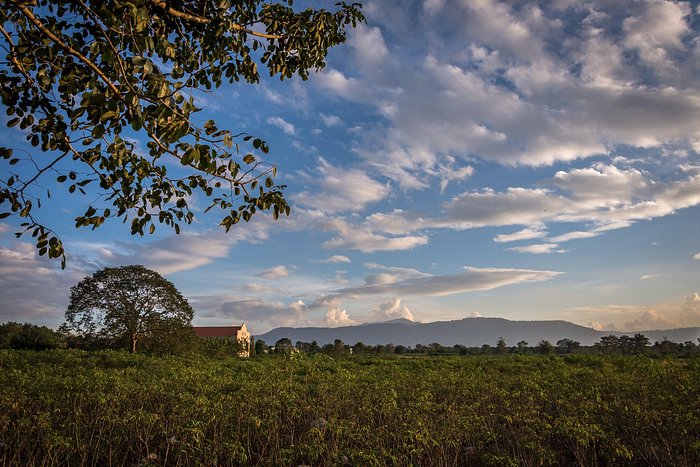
(545, 347)
(640, 343)
(501, 346)
(260, 347)
(522, 347)
(314, 347)
(29, 336)
(128, 303)
(568, 345)
(283, 346)
(359, 347)
(82, 79)
(609, 344)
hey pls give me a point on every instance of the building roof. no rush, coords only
(217, 331)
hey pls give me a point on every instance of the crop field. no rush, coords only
(68, 407)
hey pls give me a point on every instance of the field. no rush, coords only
(66, 407)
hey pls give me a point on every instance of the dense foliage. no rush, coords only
(130, 305)
(105, 408)
(29, 336)
(85, 80)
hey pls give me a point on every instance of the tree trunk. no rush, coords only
(133, 344)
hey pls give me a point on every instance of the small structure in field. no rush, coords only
(238, 333)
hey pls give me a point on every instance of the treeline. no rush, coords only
(181, 341)
(178, 340)
(607, 345)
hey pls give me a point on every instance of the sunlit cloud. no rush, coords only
(277, 272)
(421, 284)
(282, 124)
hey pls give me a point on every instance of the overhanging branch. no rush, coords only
(162, 4)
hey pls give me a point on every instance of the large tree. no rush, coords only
(86, 79)
(128, 303)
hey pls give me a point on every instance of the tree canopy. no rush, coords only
(86, 80)
(127, 304)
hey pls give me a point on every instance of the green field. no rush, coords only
(67, 407)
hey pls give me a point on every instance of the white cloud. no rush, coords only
(282, 124)
(527, 233)
(336, 315)
(334, 259)
(650, 320)
(363, 239)
(538, 249)
(422, 284)
(647, 277)
(519, 84)
(277, 272)
(577, 235)
(633, 196)
(341, 190)
(696, 256)
(631, 318)
(391, 309)
(331, 120)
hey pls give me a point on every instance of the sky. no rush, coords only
(455, 159)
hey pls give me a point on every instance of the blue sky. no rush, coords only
(455, 158)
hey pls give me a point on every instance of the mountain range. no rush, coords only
(471, 332)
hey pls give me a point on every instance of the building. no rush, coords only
(239, 333)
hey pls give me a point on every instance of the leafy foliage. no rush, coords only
(29, 336)
(129, 305)
(85, 79)
(109, 408)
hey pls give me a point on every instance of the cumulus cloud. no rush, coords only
(576, 196)
(650, 320)
(341, 190)
(696, 256)
(331, 120)
(336, 315)
(364, 239)
(277, 272)
(283, 125)
(632, 318)
(519, 84)
(391, 309)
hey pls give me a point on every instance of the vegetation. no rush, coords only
(83, 80)
(608, 345)
(29, 336)
(129, 305)
(70, 407)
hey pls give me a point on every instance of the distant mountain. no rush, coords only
(468, 331)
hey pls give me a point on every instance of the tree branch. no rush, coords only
(162, 4)
(57, 40)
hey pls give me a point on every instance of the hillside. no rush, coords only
(468, 331)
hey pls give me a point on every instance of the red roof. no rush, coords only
(216, 331)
